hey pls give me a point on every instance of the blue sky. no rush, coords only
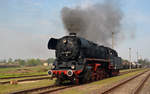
(27, 25)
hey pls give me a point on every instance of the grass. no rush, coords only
(98, 84)
(124, 70)
(20, 74)
(3, 80)
(22, 71)
(7, 88)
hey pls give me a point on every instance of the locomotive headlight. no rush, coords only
(64, 41)
(73, 67)
(69, 73)
(50, 72)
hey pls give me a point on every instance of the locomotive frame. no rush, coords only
(90, 68)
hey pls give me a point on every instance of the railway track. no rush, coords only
(141, 85)
(52, 88)
(43, 90)
(24, 76)
(23, 80)
(42, 78)
(33, 90)
(120, 86)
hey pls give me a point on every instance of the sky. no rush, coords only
(27, 25)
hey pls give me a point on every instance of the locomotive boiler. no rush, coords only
(79, 60)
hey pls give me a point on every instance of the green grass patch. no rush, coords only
(20, 74)
(8, 69)
(3, 80)
(125, 70)
(2, 75)
(23, 71)
(7, 88)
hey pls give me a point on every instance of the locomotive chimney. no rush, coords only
(72, 34)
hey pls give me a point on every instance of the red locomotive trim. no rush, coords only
(99, 60)
(76, 72)
(95, 66)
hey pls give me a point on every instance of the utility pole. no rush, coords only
(130, 57)
(141, 57)
(137, 55)
(112, 40)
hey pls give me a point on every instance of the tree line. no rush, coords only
(28, 62)
(143, 62)
(35, 62)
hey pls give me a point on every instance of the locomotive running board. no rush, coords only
(99, 60)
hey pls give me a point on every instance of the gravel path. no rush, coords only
(146, 87)
(128, 87)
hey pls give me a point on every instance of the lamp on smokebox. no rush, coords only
(73, 67)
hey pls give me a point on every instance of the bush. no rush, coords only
(33, 62)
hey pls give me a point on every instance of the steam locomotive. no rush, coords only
(80, 61)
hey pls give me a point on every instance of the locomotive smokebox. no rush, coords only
(72, 34)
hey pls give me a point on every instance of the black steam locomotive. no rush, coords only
(79, 60)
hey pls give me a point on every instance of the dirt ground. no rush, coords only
(97, 89)
(146, 88)
(128, 88)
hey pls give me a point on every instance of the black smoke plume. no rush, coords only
(95, 23)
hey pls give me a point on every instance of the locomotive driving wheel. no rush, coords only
(86, 76)
(101, 73)
(93, 78)
(98, 74)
